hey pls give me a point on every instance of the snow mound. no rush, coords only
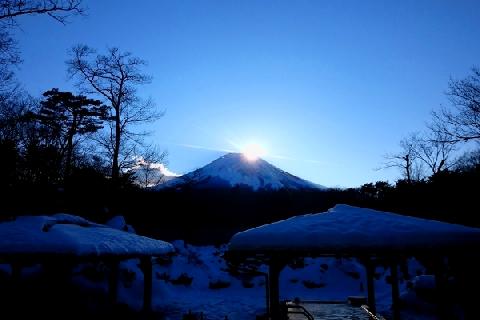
(347, 229)
(64, 234)
(119, 223)
(234, 170)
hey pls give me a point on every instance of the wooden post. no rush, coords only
(16, 280)
(274, 269)
(113, 282)
(146, 265)
(395, 291)
(267, 294)
(370, 267)
(440, 288)
(16, 272)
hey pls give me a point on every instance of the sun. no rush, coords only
(253, 151)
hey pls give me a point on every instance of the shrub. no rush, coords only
(163, 260)
(247, 284)
(218, 284)
(127, 276)
(354, 274)
(94, 272)
(162, 276)
(183, 279)
(312, 284)
(297, 264)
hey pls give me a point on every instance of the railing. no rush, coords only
(370, 314)
(301, 310)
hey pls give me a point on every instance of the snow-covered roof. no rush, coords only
(349, 230)
(64, 234)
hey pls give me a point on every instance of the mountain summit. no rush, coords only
(235, 170)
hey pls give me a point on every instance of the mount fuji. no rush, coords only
(235, 170)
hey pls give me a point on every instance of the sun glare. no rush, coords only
(253, 151)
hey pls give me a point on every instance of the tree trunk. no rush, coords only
(71, 134)
(116, 148)
(68, 161)
(408, 168)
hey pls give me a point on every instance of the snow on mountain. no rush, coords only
(235, 170)
(148, 174)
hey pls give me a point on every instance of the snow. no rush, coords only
(119, 223)
(340, 278)
(233, 169)
(65, 234)
(347, 229)
(424, 282)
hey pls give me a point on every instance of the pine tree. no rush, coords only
(68, 116)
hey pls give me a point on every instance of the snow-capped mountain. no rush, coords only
(234, 170)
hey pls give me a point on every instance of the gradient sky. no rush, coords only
(326, 87)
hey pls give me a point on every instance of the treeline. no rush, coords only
(57, 156)
(63, 139)
(213, 216)
(82, 153)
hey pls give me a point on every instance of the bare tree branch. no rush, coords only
(59, 10)
(460, 123)
(114, 77)
(405, 160)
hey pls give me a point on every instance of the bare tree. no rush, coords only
(15, 109)
(406, 160)
(10, 10)
(59, 10)
(114, 77)
(469, 161)
(463, 122)
(9, 57)
(434, 151)
(148, 169)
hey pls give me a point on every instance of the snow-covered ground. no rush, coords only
(217, 293)
(196, 280)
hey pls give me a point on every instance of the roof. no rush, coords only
(69, 235)
(351, 230)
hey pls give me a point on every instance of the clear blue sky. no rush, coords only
(327, 87)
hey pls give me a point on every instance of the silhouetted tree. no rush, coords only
(10, 10)
(15, 108)
(147, 170)
(462, 122)
(9, 57)
(434, 151)
(406, 160)
(115, 77)
(468, 161)
(17, 130)
(69, 116)
(59, 10)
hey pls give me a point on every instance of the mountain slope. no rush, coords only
(234, 170)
